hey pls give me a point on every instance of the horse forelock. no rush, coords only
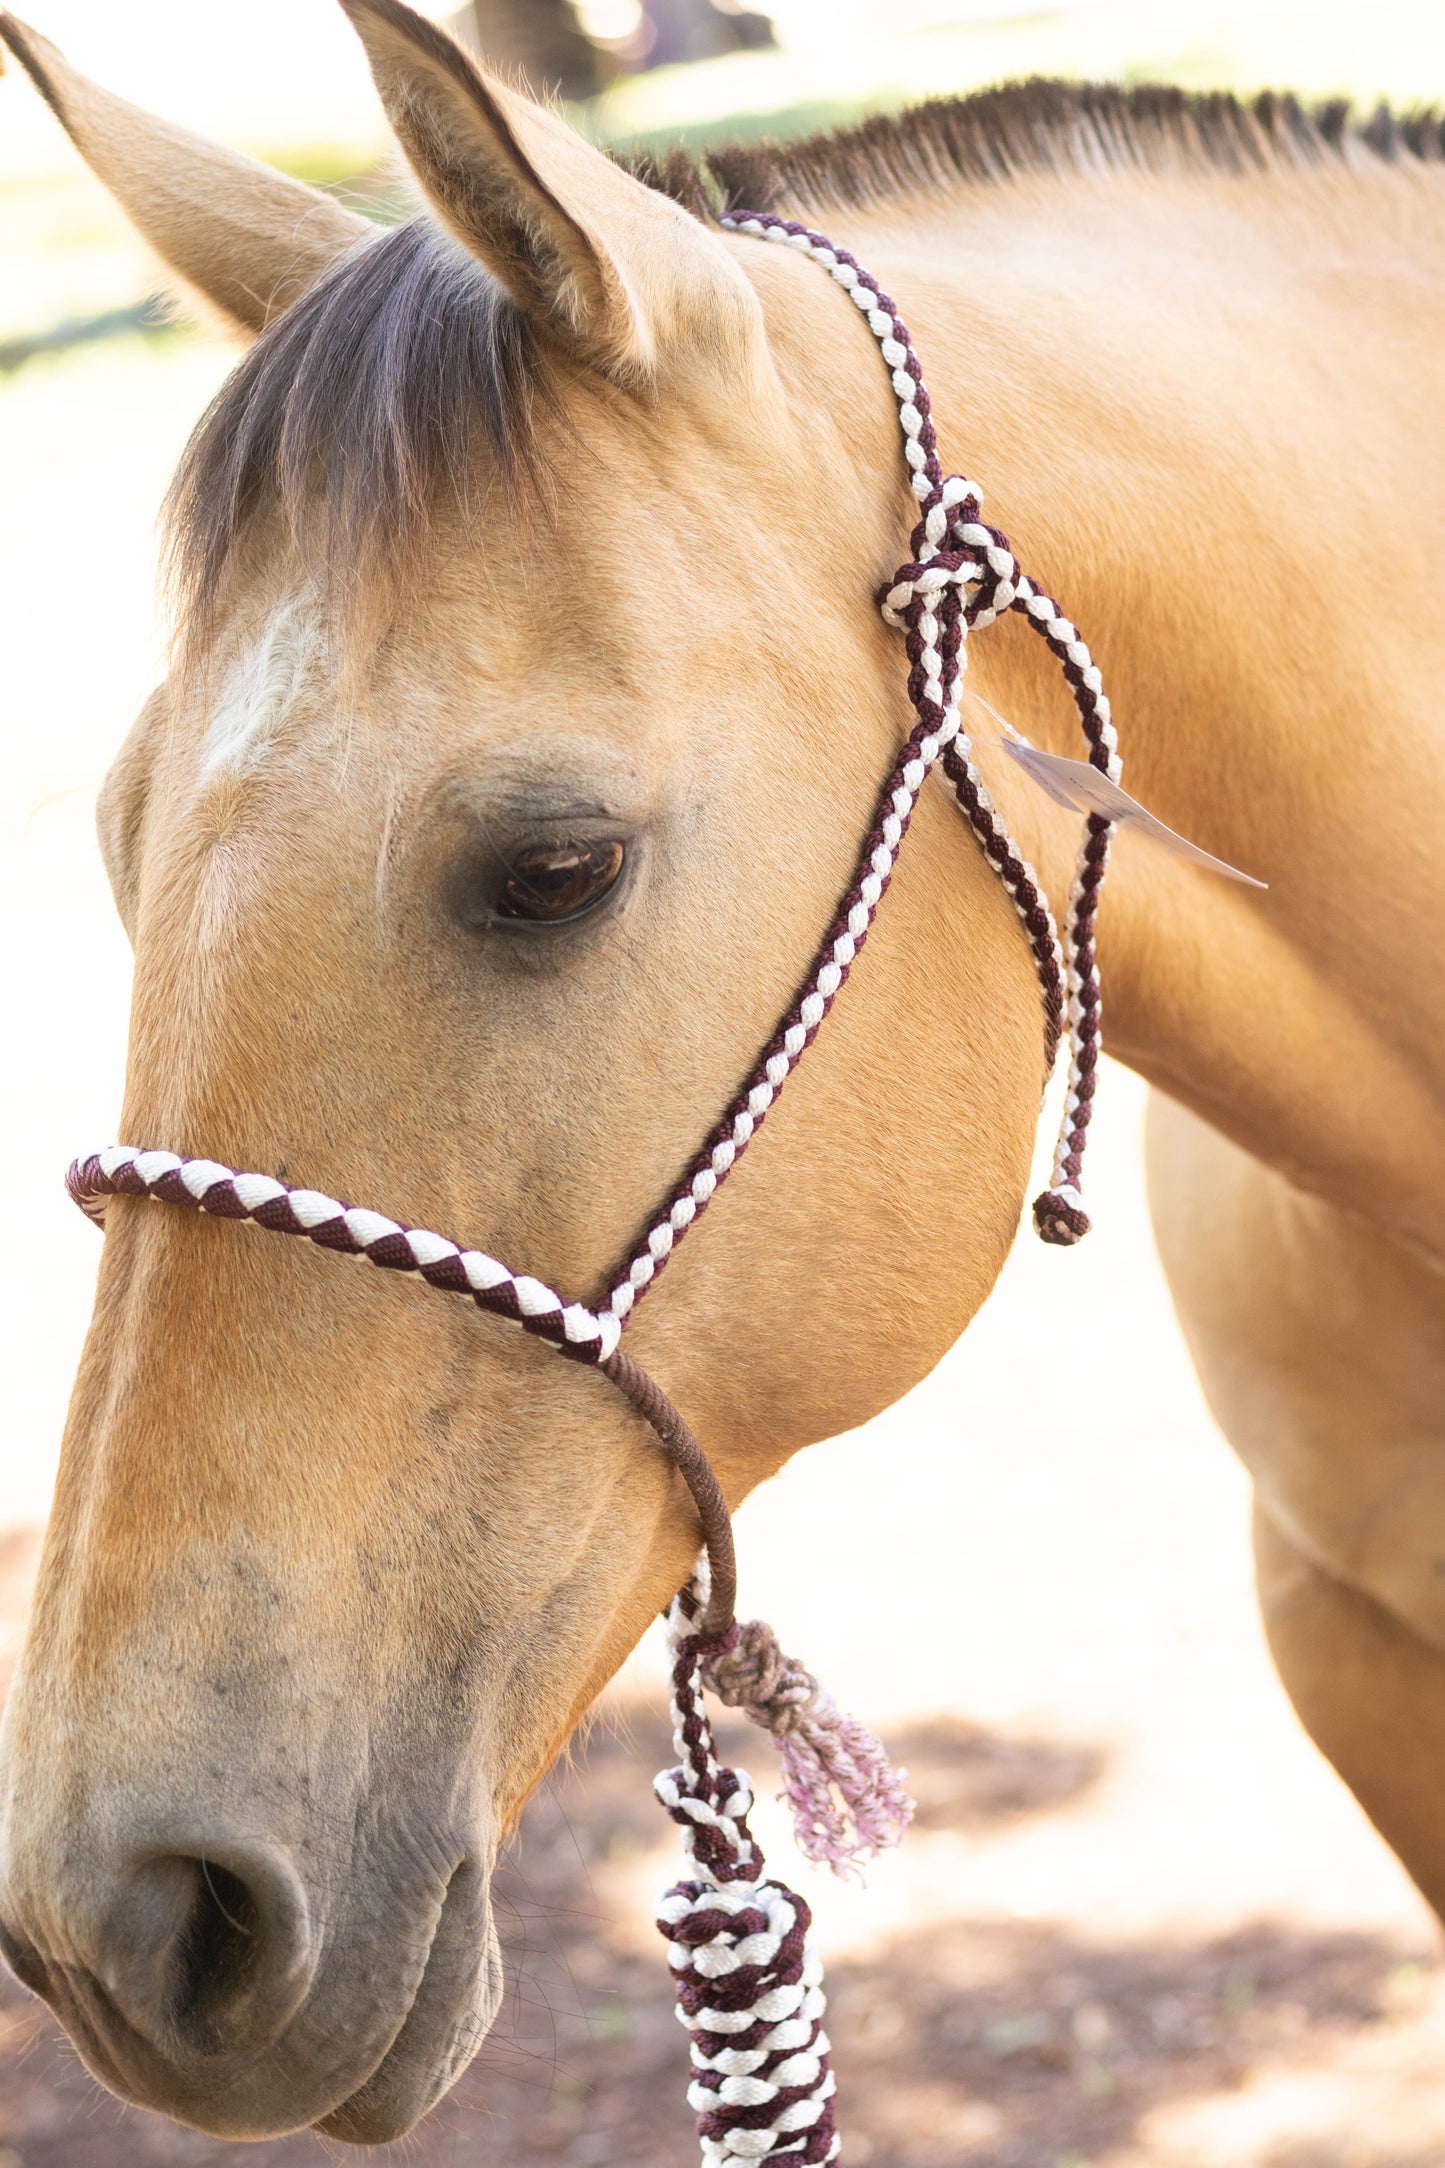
(397, 389)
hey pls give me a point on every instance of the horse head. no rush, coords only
(528, 708)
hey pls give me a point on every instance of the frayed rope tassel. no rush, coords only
(749, 1986)
(848, 1804)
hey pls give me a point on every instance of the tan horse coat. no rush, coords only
(333, 1569)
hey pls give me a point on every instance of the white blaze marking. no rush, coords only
(259, 690)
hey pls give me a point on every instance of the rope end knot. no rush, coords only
(847, 1801)
(1060, 1217)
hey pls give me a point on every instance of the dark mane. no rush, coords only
(1039, 126)
(360, 413)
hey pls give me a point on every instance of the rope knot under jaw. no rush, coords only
(749, 1671)
(847, 1801)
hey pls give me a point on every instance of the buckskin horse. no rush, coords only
(529, 703)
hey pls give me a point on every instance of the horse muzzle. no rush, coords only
(251, 1987)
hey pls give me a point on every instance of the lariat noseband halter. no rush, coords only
(749, 1988)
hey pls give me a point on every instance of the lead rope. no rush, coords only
(749, 1988)
(749, 1983)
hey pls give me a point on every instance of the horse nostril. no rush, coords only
(209, 1950)
(24, 1961)
(218, 1947)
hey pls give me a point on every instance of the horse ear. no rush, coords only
(249, 239)
(621, 274)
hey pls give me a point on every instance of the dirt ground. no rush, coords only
(1023, 2044)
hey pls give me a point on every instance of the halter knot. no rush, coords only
(749, 1671)
(924, 582)
(953, 548)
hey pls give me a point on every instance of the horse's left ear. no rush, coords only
(619, 273)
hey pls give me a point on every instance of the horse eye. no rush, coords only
(551, 882)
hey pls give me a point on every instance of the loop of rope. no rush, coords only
(929, 599)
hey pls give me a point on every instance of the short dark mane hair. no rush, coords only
(1039, 126)
(360, 412)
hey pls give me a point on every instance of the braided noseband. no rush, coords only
(748, 1990)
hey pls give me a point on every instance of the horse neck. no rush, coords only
(1205, 410)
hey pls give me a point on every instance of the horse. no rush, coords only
(529, 702)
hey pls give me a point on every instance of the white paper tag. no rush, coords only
(1082, 788)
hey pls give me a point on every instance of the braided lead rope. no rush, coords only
(930, 600)
(749, 1984)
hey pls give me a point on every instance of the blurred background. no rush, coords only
(1139, 1924)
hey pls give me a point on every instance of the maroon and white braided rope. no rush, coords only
(962, 575)
(748, 1988)
(749, 1985)
(206, 1186)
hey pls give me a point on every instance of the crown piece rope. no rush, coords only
(962, 576)
(749, 1987)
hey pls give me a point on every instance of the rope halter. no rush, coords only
(748, 1989)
